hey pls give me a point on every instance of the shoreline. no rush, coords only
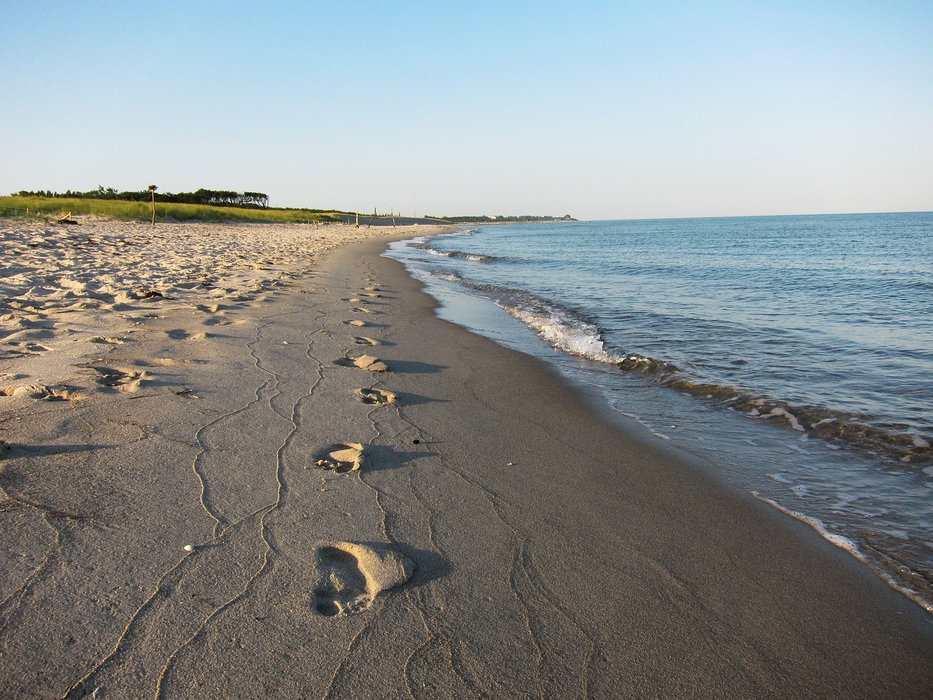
(798, 457)
(550, 552)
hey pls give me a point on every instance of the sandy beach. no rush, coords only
(249, 461)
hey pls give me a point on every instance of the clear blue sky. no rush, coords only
(596, 109)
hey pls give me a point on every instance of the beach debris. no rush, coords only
(350, 575)
(189, 548)
(343, 458)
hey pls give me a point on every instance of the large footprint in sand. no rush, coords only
(373, 364)
(376, 396)
(351, 575)
(343, 458)
(127, 381)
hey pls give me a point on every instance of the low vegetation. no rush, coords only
(62, 207)
(202, 205)
(216, 198)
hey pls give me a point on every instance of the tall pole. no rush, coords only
(152, 190)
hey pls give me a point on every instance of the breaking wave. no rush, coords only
(462, 255)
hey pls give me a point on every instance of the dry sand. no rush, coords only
(227, 501)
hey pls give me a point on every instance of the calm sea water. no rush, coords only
(795, 353)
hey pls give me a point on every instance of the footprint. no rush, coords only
(126, 381)
(158, 362)
(343, 458)
(36, 391)
(177, 334)
(361, 310)
(102, 340)
(373, 364)
(355, 322)
(351, 575)
(28, 348)
(363, 340)
(376, 396)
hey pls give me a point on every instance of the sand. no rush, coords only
(209, 492)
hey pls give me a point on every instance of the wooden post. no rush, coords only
(152, 190)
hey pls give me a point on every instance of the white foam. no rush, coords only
(565, 333)
(838, 540)
(849, 546)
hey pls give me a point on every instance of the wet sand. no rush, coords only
(319, 489)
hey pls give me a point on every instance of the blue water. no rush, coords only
(794, 352)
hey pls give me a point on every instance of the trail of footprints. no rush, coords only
(367, 362)
(350, 575)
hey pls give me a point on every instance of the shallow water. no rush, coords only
(796, 353)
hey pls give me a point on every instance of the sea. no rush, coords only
(794, 353)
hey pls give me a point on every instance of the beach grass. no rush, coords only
(59, 207)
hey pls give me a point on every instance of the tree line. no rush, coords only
(217, 198)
